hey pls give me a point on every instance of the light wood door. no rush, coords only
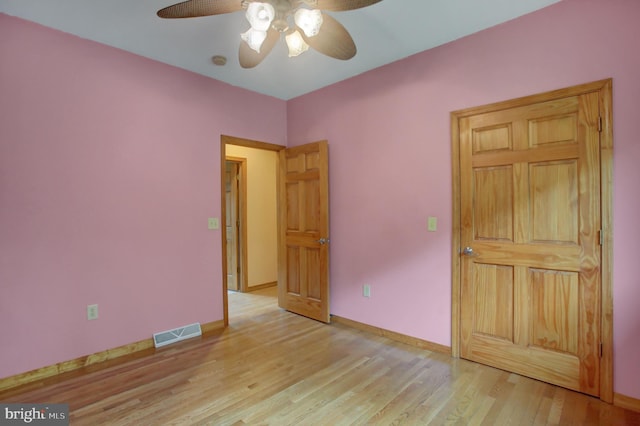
(303, 258)
(232, 225)
(530, 216)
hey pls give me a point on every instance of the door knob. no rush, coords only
(468, 251)
(323, 241)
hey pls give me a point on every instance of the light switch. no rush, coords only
(432, 225)
(366, 290)
(214, 223)
(92, 312)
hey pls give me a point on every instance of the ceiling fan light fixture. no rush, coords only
(308, 20)
(254, 38)
(260, 15)
(296, 44)
(303, 22)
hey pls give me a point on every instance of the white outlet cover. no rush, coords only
(214, 223)
(92, 312)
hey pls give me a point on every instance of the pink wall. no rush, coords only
(109, 168)
(389, 142)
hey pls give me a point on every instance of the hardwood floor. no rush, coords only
(271, 367)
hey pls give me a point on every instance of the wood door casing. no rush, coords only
(224, 142)
(303, 259)
(538, 265)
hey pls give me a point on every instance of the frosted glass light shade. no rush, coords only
(260, 15)
(308, 21)
(254, 38)
(296, 44)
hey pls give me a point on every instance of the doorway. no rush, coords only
(236, 222)
(253, 163)
(532, 245)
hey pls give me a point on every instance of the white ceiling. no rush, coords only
(384, 32)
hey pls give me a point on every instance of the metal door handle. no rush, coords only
(468, 251)
(323, 241)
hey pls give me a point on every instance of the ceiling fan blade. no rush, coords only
(340, 5)
(249, 58)
(333, 39)
(194, 8)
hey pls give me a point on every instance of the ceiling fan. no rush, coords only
(303, 23)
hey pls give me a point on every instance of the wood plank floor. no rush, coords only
(271, 367)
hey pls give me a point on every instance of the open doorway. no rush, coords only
(249, 216)
(235, 184)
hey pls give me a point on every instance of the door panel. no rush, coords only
(493, 287)
(530, 212)
(303, 272)
(493, 203)
(555, 321)
(554, 184)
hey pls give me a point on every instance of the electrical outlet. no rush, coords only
(366, 290)
(213, 223)
(92, 312)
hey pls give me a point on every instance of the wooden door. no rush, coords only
(530, 219)
(232, 225)
(303, 257)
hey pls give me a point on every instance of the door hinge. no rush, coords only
(600, 124)
(601, 237)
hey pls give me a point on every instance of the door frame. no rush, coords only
(604, 88)
(243, 284)
(247, 143)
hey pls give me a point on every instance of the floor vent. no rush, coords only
(177, 334)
